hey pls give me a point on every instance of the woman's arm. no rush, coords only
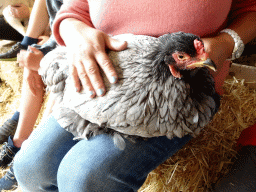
(221, 46)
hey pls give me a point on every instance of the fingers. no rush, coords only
(30, 58)
(20, 59)
(106, 65)
(14, 11)
(34, 82)
(89, 72)
(93, 58)
(89, 77)
(104, 61)
(101, 59)
(75, 78)
(31, 84)
(33, 49)
(114, 44)
(92, 73)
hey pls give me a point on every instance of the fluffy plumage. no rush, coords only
(159, 92)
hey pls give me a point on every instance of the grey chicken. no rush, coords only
(165, 89)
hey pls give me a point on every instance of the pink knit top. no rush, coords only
(154, 18)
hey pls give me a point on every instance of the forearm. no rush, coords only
(74, 27)
(245, 26)
(220, 47)
(76, 9)
(39, 19)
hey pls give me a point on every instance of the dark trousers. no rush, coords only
(7, 32)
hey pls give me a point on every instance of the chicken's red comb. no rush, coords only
(199, 46)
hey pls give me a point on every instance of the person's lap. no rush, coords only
(53, 160)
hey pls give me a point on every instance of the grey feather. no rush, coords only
(119, 141)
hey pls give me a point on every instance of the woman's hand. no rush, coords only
(30, 59)
(87, 54)
(20, 11)
(42, 39)
(34, 81)
(220, 49)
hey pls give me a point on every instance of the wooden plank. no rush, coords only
(248, 73)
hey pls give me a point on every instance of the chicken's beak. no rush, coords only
(204, 63)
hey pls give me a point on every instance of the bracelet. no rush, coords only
(239, 45)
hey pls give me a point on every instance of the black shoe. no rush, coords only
(11, 55)
(7, 129)
(7, 153)
(8, 181)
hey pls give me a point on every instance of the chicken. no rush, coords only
(165, 89)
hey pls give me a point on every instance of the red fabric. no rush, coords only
(247, 137)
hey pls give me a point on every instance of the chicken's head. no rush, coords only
(184, 51)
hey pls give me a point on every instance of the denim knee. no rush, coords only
(97, 165)
(36, 164)
(91, 179)
(91, 171)
(34, 171)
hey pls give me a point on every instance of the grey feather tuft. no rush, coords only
(119, 141)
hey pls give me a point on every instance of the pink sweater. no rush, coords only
(144, 17)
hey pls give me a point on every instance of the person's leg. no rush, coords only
(29, 109)
(96, 165)
(38, 20)
(48, 108)
(93, 165)
(30, 106)
(36, 164)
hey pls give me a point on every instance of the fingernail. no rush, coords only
(91, 93)
(112, 79)
(100, 92)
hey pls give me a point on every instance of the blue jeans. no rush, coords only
(50, 160)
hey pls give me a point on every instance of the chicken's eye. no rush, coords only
(181, 57)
